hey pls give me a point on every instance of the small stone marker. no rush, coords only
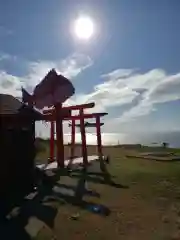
(75, 216)
(34, 226)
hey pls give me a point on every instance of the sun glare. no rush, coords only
(84, 28)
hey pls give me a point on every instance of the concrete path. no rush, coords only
(78, 160)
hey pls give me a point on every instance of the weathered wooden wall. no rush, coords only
(17, 155)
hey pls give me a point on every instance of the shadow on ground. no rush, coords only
(15, 226)
(100, 177)
(157, 159)
(36, 206)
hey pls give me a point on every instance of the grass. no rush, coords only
(143, 204)
(148, 209)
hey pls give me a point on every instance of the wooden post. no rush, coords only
(99, 140)
(59, 135)
(58, 116)
(99, 145)
(73, 138)
(83, 138)
(72, 146)
(52, 141)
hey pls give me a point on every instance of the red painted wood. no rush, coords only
(75, 107)
(59, 136)
(59, 115)
(89, 115)
(81, 106)
(88, 125)
(83, 138)
(50, 117)
(73, 132)
(99, 140)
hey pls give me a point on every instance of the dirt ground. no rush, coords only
(149, 208)
(144, 202)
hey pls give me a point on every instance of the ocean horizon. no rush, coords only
(150, 139)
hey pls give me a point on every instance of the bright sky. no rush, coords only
(127, 60)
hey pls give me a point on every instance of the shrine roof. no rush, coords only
(11, 106)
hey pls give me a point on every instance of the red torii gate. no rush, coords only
(59, 114)
(74, 125)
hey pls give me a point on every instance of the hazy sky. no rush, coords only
(130, 67)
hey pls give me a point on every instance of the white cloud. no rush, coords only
(142, 109)
(36, 72)
(165, 91)
(69, 67)
(118, 73)
(9, 84)
(74, 64)
(122, 87)
(138, 92)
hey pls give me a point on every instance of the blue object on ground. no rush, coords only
(99, 209)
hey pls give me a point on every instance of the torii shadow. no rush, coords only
(45, 193)
(102, 177)
(76, 194)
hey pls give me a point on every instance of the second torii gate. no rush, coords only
(59, 114)
(74, 125)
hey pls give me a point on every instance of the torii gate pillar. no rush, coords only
(59, 135)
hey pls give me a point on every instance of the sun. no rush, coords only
(84, 27)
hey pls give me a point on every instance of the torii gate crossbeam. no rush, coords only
(59, 114)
